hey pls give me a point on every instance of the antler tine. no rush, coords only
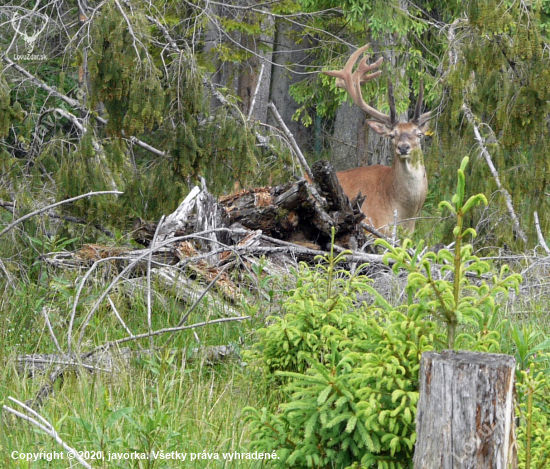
(353, 57)
(418, 107)
(391, 102)
(351, 82)
(365, 67)
(344, 76)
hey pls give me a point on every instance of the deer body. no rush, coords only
(401, 187)
(393, 193)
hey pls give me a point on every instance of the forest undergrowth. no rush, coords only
(324, 373)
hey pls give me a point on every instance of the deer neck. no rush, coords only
(409, 182)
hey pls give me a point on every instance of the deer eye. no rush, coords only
(392, 136)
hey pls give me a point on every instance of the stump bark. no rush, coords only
(465, 413)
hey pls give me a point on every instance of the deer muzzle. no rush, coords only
(403, 149)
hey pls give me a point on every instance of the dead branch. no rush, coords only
(293, 144)
(542, 242)
(113, 343)
(45, 426)
(480, 140)
(9, 206)
(50, 329)
(49, 207)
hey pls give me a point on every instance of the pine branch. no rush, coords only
(75, 103)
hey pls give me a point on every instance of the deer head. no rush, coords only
(29, 40)
(406, 136)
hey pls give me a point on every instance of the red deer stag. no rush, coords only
(403, 186)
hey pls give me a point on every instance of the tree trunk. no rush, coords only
(260, 97)
(288, 52)
(346, 146)
(466, 412)
(211, 40)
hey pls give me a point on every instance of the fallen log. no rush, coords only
(294, 212)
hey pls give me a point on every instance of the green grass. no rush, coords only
(164, 402)
(157, 404)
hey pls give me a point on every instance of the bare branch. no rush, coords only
(113, 343)
(45, 209)
(256, 91)
(517, 228)
(45, 426)
(118, 316)
(295, 147)
(47, 319)
(542, 242)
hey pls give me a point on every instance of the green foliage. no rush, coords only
(225, 144)
(321, 309)
(380, 17)
(85, 169)
(502, 74)
(122, 74)
(460, 300)
(533, 408)
(8, 112)
(355, 397)
(387, 386)
(5, 108)
(533, 395)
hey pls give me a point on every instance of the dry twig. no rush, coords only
(45, 426)
(45, 209)
(292, 141)
(542, 242)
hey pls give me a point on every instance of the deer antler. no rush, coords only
(420, 119)
(13, 20)
(24, 33)
(352, 82)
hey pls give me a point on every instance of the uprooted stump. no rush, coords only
(465, 413)
(294, 212)
(187, 250)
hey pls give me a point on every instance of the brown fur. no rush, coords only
(402, 186)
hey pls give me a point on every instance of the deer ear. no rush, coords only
(424, 127)
(424, 123)
(379, 128)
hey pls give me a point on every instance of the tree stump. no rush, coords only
(465, 413)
